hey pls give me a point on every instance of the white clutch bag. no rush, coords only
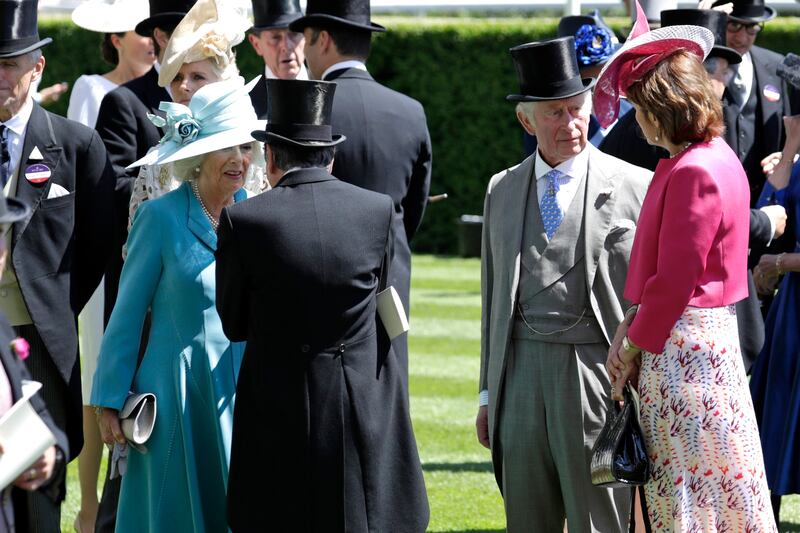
(138, 418)
(393, 316)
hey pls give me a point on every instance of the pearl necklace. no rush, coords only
(206, 212)
(679, 152)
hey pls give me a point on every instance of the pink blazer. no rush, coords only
(691, 241)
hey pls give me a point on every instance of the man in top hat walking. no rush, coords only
(58, 252)
(322, 405)
(556, 240)
(279, 47)
(388, 148)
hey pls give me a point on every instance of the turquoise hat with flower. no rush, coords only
(219, 115)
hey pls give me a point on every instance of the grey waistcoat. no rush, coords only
(552, 286)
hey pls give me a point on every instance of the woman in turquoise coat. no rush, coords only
(179, 483)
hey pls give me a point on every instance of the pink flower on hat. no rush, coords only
(21, 347)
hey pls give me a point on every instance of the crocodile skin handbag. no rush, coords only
(619, 456)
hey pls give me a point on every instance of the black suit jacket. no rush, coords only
(17, 373)
(297, 271)
(258, 96)
(127, 134)
(61, 251)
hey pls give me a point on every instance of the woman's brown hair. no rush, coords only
(107, 49)
(679, 94)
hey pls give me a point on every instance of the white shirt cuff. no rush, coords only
(483, 398)
(771, 230)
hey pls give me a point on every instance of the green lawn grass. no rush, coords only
(443, 366)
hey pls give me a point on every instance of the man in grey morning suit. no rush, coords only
(556, 239)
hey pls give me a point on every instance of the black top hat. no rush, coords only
(569, 25)
(716, 21)
(275, 14)
(165, 14)
(749, 10)
(353, 14)
(19, 31)
(548, 70)
(299, 113)
(12, 210)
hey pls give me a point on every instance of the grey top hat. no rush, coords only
(19, 28)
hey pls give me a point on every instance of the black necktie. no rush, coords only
(5, 158)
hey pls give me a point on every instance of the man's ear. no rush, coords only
(254, 42)
(526, 123)
(38, 69)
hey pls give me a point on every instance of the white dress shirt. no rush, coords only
(302, 75)
(15, 134)
(350, 63)
(573, 170)
(744, 77)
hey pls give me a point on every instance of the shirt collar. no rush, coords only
(268, 74)
(19, 122)
(576, 167)
(351, 63)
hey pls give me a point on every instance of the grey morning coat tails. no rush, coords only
(322, 438)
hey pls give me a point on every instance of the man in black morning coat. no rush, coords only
(388, 148)
(322, 439)
(57, 254)
(125, 129)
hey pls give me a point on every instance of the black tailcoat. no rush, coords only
(321, 415)
(61, 251)
(128, 134)
(17, 373)
(388, 150)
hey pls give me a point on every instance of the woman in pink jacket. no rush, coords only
(688, 267)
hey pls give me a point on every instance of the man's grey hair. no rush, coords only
(527, 108)
(34, 55)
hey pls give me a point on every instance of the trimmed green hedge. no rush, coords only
(459, 68)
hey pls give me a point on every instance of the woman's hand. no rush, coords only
(765, 274)
(769, 163)
(39, 472)
(629, 375)
(110, 430)
(613, 364)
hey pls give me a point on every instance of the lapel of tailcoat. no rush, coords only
(598, 211)
(39, 134)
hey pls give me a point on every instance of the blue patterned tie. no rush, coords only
(5, 159)
(552, 215)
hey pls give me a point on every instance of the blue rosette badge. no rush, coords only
(593, 45)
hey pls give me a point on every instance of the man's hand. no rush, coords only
(110, 430)
(51, 94)
(39, 472)
(777, 214)
(482, 425)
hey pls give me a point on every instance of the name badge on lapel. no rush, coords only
(38, 173)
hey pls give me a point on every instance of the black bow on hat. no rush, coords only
(716, 21)
(353, 14)
(275, 14)
(19, 30)
(749, 10)
(548, 70)
(299, 113)
(164, 14)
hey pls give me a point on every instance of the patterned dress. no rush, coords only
(701, 433)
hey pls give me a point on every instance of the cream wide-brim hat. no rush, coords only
(220, 115)
(637, 57)
(120, 16)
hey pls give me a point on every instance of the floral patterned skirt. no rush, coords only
(701, 433)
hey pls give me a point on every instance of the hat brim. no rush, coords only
(769, 14)
(145, 28)
(729, 54)
(279, 23)
(15, 211)
(588, 83)
(322, 20)
(100, 17)
(264, 136)
(30, 48)
(225, 139)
